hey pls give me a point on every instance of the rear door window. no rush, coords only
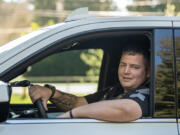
(164, 95)
(177, 45)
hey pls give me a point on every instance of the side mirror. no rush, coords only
(4, 101)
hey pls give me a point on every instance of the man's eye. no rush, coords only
(136, 67)
(122, 65)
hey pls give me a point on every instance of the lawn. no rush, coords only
(19, 99)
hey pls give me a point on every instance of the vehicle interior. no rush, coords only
(110, 41)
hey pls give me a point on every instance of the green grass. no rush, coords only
(19, 99)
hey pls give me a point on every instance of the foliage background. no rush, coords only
(19, 18)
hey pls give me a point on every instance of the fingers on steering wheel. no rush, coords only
(44, 102)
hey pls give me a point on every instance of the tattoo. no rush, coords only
(65, 102)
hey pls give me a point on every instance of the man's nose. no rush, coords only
(127, 69)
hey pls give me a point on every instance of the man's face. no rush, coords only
(132, 71)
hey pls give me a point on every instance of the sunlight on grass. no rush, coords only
(19, 99)
(20, 95)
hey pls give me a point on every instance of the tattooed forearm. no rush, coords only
(65, 101)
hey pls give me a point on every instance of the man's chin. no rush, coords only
(126, 84)
(127, 87)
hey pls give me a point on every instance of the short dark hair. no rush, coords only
(138, 49)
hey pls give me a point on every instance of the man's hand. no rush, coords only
(63, 101)
(39, 92)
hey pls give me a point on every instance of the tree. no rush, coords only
(88, 61)
(159, 6)
(146, 7)
(12, 17)
(177, 42)
(172, 9)
(93, 5)
(93, 59)
(61, 64)
(45, 5)
(164, 84)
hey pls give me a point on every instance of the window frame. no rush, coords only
(66, 43)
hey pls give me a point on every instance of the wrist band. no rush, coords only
(52, 88)
(71, 115)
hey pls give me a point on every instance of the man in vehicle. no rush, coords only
(127, 101)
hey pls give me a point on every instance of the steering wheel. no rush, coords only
(41, 110)
(38, 103)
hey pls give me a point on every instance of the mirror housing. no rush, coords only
(4, 101)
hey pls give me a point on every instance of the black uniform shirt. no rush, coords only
(139, 95)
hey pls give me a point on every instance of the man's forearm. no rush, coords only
(114, 110)
(66, 101)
